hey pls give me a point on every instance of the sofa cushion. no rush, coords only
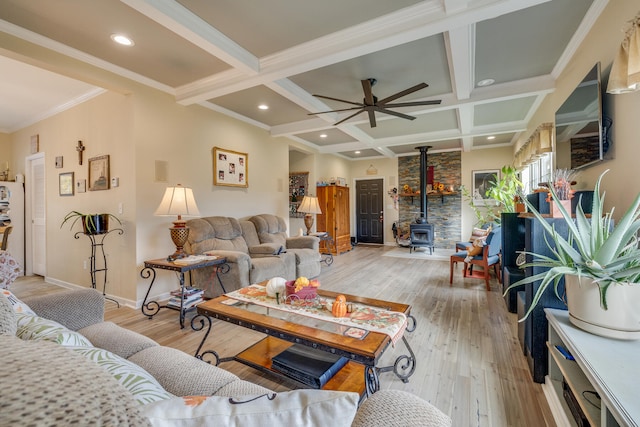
(293, 408)
(193, 377)
(7, 317)
(395, 408)
(143, 386)
(46, 384)
(215, 233)
(118, 340)
(18, 306)
(37, 328)
(270, 228)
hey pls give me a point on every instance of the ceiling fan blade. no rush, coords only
(339, 100)
(403, 93)
(347, 118)
(413, 104)
(368, 94)
(335, 111)
(395, 113)
(372, 118)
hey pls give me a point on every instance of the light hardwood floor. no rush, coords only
(469, 360)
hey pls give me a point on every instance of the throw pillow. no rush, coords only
(479, 233)
(34, 328)
(292, 408)
(9, 269)
(7, 317)
(142, 385)
(18, 306)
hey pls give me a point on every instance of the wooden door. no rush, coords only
(369, 211)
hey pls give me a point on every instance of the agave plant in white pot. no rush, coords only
(600, 263)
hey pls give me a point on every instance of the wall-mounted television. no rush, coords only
(580, 137)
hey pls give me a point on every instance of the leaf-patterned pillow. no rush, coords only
(142, 385)
(37, 328)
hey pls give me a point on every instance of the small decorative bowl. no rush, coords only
(307, 292)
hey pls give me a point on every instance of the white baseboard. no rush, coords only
(559, 415)
(121, 301)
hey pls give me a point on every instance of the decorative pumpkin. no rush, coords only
(339, 308)
(276, 286)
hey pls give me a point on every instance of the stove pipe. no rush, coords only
(422, 219)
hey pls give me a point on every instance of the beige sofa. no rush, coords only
(254, 253)
(53, 376)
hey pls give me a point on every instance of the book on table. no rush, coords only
(307, 365)
(190, 298)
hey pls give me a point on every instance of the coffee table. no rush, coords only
(360, 374)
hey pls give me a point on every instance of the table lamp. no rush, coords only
(310, 207)
(179, 201)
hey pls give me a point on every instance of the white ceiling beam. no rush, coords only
(409, 24)
(460, 44)
(177, 18)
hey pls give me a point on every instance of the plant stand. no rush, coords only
(97, 245)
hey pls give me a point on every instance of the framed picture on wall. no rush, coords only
(230, 168)
(483, 181)
(65, 184)
(99, 173)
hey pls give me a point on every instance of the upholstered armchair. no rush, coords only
(272, 229)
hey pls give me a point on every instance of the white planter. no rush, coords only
(621, 320)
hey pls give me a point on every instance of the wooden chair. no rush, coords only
(490, 257)
(5, 237)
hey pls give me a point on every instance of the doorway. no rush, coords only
(369, 211)
(36, 262)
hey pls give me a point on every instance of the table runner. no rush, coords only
(391, 323)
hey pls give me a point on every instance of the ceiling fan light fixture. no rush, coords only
(122, 40)
(486, 82)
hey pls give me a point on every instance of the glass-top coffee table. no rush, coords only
(283, 328)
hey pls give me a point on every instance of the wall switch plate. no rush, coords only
(115, 181)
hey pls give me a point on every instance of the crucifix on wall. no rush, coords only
(80, 148)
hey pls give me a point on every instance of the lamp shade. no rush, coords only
(309, 205)
(179, 201)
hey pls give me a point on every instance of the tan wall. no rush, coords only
(104, 125)
(5, 154)
(602, 44)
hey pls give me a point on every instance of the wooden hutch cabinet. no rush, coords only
(334, 203)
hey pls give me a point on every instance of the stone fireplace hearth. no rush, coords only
(443, 212)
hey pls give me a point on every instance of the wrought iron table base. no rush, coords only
(404, 365)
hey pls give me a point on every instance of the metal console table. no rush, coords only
(324, 236)
(97, 245)
(151, 308)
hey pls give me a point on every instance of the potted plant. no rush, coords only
(600, 263)
(91, 223)
(563, 179)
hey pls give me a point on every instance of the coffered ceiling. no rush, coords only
(234, 55)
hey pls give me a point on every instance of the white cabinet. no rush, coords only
(12, 213)
(604, 377)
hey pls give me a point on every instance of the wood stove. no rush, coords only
(422, 233)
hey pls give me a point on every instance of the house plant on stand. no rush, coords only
(504, 190)
(600, 263)
(92, 224)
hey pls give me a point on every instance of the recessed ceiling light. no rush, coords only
(491, 137)
(122, 39)
(263, 106)
(486, 82)
(357, 152)
(323, 135)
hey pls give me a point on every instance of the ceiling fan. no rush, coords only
(371, 104)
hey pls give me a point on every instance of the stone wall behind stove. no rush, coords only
(445, 213)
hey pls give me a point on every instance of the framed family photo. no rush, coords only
(230, 168)
(483, 181)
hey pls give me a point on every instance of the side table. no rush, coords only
(151, 308)
(324, 236)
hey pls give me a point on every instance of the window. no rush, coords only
(535, 173)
